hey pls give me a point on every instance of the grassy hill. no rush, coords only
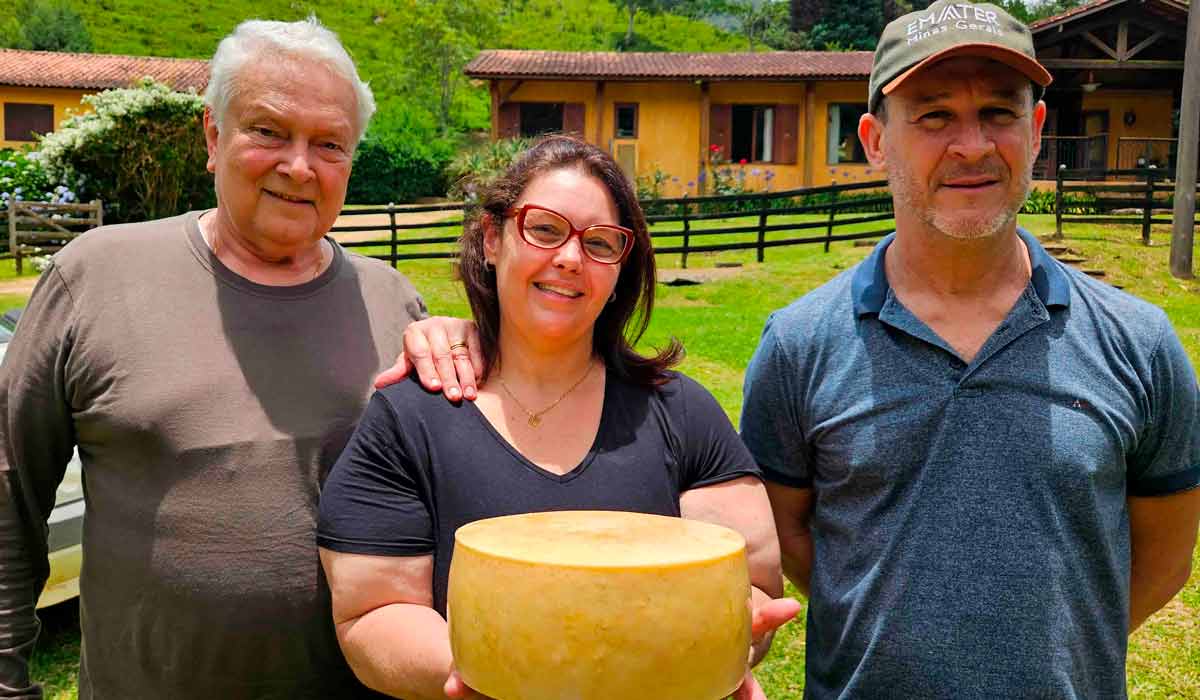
(380, 35)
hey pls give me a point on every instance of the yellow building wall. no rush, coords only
(1152, 111)
(62, 99)
(673, 131)
(668, 136)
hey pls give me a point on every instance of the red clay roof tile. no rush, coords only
(89, 71)
(605, 65)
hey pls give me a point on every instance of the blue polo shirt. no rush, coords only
(970, 530)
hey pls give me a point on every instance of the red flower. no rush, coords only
(714, 148)
(742, 161)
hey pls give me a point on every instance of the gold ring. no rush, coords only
(455, 346)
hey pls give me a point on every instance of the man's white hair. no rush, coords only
(307, 40)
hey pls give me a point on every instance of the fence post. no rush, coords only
(99, 212)
(14, 246)
(683, 207)
(1148, 204)
(1058, 202)
(762, 228)
(392, 228)
(833, 195)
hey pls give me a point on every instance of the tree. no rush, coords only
(631, 8)
(436, 41)
(45, 25)
(764, 22)
(848, 25)
(12, 34)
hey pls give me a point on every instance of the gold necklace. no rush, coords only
(535, 418)
(212, 245)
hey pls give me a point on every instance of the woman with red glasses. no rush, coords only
(559, 271)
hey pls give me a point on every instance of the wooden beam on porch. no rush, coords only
(810, 116)
(1143, 44)
(1105, 64)
(509, 92)
(1095, 41)
(598, 108)
(705, 108)
(494, 89)
(1067, 32)
(1184, 224)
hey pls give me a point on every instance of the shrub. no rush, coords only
(141, 150)
(850, 202)
(650, 188)
(473, 168)
(1039, 202)
(399, 160)
(22, 178)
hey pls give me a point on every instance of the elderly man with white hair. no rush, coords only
(209, 367)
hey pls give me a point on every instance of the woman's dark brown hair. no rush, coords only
(623, 320)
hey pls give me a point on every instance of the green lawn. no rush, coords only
(719, 323)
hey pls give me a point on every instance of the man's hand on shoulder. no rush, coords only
(445, 353)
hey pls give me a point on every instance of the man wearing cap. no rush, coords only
(983, 464)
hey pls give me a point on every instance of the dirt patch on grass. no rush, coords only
(697, 275)
(21, 285)
(383, 221)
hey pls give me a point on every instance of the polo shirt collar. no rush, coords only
(869, 286)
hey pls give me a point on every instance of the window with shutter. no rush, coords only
(537, 118)
(22, 121)
(751, 132)
(843, 145)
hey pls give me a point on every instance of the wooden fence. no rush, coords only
(691, 219)
(1130, 196)
(40, 228)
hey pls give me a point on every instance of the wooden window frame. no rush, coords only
(617, 106)
(828, 105)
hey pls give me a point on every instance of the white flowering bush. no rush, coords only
(140, 150)
(42, 263)
(23, 179)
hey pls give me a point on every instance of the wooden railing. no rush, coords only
(1133, 200)
(687, 218)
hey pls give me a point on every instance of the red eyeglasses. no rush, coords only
(547, 229)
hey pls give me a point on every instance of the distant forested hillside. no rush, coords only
(411, 51)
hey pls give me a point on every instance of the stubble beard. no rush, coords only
(906, 192)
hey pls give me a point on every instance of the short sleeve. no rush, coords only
(375, 500)
(771, 425)
(712, 451)
(1167, 458)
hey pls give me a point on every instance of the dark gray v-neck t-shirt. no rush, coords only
(419, 467)
(207, 410)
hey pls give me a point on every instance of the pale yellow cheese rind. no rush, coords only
(590, 605)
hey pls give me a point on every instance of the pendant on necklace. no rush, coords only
(535, 421)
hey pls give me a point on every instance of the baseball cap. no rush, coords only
(947, 29)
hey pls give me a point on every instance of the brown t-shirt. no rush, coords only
(208, 410)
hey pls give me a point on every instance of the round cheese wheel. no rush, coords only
(599, 605)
